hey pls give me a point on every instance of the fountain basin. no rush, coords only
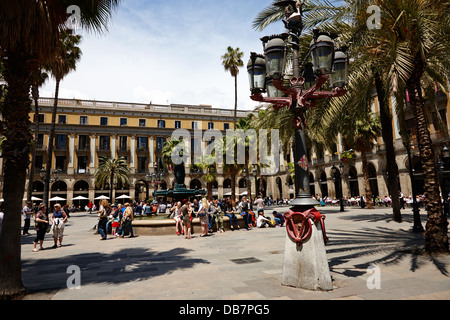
(159, 227)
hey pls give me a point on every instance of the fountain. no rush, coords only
(179, 192)
(150, 227)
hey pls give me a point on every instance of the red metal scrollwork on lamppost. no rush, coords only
(299, 225)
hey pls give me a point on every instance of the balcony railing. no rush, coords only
(174, 108)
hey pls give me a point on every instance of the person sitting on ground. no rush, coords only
(262, 221)
(279, 219)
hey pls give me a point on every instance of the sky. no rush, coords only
(168, 52)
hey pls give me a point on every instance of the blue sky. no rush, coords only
(168, 52)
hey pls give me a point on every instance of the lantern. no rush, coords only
(275, 56)
(256, 68)
(339, 78)
(322, 54)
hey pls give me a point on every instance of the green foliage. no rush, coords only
(114, 171)
(232, 60)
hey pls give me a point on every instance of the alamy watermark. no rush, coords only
(73, 22)
(374, 279)
(374, 21)
(74, 280)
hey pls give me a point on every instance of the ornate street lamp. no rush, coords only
(53, 178)
(301, 92)
(156, 177)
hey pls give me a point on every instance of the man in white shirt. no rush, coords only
(262, 221)
(259, 204)
(26, 211)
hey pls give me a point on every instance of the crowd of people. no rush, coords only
(379, 201)
(213, 212)
(117, 219)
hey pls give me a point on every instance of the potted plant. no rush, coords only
(348, 155)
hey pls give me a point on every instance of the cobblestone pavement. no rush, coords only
(236, 265)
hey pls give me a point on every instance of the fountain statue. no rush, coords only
(179, 192)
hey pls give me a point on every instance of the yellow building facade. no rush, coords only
(87, 130)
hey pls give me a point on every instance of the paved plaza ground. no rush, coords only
(238, 265)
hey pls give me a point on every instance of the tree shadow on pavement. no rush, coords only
(380, 246)
(126, 265)
(407, 218)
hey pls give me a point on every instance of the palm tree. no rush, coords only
(209, 170)
(366, 130)
(39, 78)
(168, 149)
(112, 172)
(232, 61)
(411, 44)
(60, 64)
(420, 33)
(246, 124)
(29, 32)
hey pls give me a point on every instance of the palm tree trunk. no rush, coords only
(436, 237)
(235, 100)
(388, 138)
(233, 187)
(35, 95)
(249, 184)
(16, 150)
(51, 143)
(209, 188)
(111, 187)
(368, 191)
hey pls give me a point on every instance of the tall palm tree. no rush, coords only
(246, 124)
(112, 172)
(66, 56)
(232, 61)
(420, 39)
(39, 78)
(367, 129)
(29, 31)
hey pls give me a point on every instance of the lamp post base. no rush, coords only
(306, 265)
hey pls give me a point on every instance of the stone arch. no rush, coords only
(195, 184)
(353, 181)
